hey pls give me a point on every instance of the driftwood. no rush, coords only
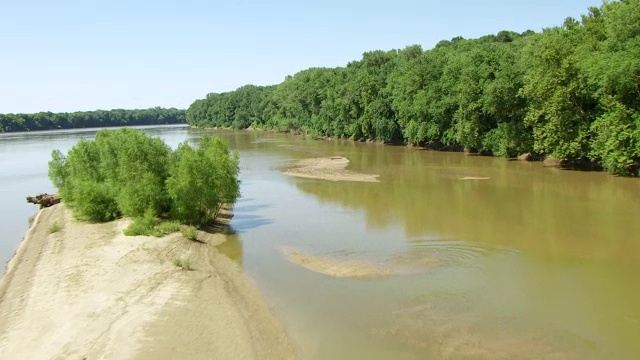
(44, 200)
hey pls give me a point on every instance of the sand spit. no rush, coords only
(475, 178)
(87, 291)
(328, 168)
(337, 268)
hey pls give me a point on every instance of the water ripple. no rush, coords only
(428, 254)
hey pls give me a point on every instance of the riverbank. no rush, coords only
(78, 290)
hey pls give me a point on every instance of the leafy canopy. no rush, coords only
(571, 92)
(126, 172)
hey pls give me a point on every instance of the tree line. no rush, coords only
(86, 119)
(571, 92)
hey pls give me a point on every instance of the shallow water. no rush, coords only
(530, 263)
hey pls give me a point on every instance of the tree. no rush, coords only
(571, 92)
(126, 172)
(202, 180)
(84, 119)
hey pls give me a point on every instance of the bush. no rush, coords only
(165, 228)
(202, 180)
(125, 172)
(616, 142)
(184, 264)
(150, 225)
(54, 228)
(189, 232)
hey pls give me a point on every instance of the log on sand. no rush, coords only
(44, 200)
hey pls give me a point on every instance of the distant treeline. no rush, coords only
(571, 92)
(85, 119)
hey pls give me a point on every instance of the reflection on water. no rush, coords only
(528, 263)
(513, 210)
(543, 261)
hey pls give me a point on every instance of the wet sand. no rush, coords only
(88, 291)
(475, 178)
(328, 168)
(335, 267)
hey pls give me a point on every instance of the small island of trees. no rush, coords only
(127, 173)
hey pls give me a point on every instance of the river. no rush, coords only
(528, 263)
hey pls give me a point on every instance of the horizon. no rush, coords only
(69, 57)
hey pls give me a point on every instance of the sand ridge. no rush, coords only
(334, 267)
(328, 168)
(475, 178)
(348, 268)
(88, 291)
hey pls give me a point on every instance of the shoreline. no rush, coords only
(88, 291)
(546, 160)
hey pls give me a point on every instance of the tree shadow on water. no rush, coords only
(250, 208)
(243, 222)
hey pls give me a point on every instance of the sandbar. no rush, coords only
(328, 168)
(335, 267)
(86, 291)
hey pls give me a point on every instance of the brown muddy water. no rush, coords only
(482, 258)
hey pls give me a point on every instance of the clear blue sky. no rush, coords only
(69, 55)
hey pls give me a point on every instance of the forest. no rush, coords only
(87, 119)
(570, 92)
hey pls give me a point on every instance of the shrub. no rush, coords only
(54, 228)
(150, 225)
(616, 142)
(184, 264)
(125, 172)
(142, 226)
(165, 228)
(189, 232)
(202, 180)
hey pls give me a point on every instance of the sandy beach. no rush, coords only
(85, 291)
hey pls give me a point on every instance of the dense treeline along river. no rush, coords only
(531, 262)
(570, 92)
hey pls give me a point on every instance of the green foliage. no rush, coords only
(57, 170)
(202, 180)
(85, 119)
(166, 227)
(184, 264)
(189, 232)
(125, 172)
(152, 226)
(571, 92)
(90, 200)
(119, 173)
(54, 228)
(144, 225)
(617, 139)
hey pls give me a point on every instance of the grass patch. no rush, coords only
(151, 225)
(165, 228)
(54, 228)
(184, 264)
(189, 232)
